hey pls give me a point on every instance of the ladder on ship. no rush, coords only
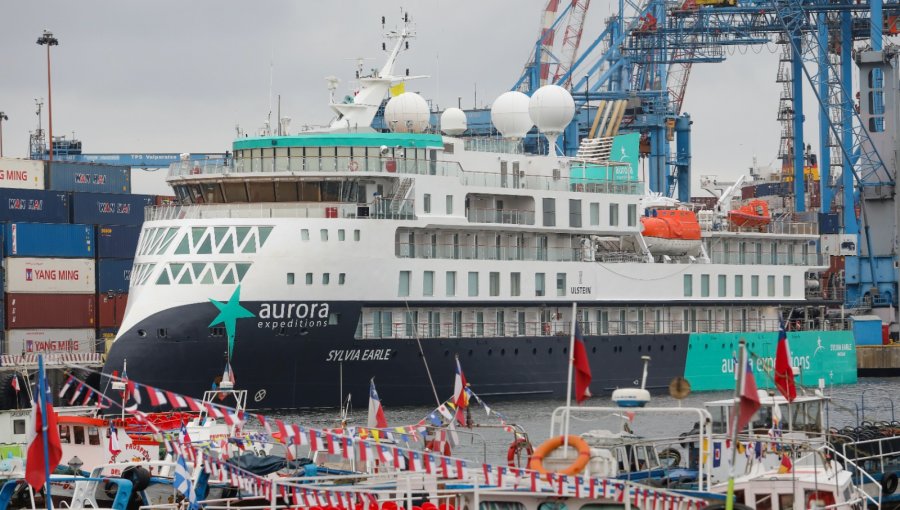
(400, 200)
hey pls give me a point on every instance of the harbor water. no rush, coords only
(870, 400)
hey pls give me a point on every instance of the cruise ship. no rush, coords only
(311, 263)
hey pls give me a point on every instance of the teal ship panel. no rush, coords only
(825, 355)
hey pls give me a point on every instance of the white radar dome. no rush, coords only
(407, 113)
(453, 122)
(551, 108)
(509, 114)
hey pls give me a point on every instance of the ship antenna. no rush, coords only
(422, 353)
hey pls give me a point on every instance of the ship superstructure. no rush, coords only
(313, 262)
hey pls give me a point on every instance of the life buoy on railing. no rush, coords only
(354, 166)
(519, 445)
(584, 455)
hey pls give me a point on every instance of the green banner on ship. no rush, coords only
(625, 151)
(829, 356)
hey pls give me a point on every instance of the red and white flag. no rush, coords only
(376, 417)
(749, 398)
(15, 383)
(582, 367)
(35, 466)
(784, 372)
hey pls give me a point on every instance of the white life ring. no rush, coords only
(354, 166)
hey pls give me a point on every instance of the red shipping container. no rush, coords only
(112, 310)
(70, 311)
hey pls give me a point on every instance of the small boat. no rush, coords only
(754, 214)
(674, 232)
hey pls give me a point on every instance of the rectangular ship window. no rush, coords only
(770, 285)
(426, 203)
(342, 235)
(704, 285)
(539, 284)
(342, 278)
(309, 278)
(324, 234)
(494, 281)
(560, 284)
(723, 285)
(738, 285)
(787, 286)
(688, 285)
(326, 278)
(290, 278)
(451, 283)
(515, 284)
(304, 234)
(473, 283)
(356, 234)
(754, 285)
(613, 215)
(428, 283)
(403, 289)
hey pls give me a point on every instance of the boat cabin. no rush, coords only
(805, 414)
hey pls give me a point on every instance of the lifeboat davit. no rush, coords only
(672, 232)
(754, 214)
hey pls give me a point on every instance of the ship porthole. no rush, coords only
(503, 352)
(470, 352)
(534, 351)
(516, 351)
(594, 350)
(550, 350)
(565, 350)
(674, 347)
(141, 333)
(446, 353)
(639, 348)
(490, 352)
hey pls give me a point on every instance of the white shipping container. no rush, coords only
(49, 341)
(21, 173)
(75, 276)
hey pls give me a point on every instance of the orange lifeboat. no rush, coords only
(672, 232)
(754, 214)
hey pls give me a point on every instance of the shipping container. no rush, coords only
(748, 192)
(113, 275)
(89, 177)
(829, 223)
(34, 205)
(56, 341)
(21, 173)
(117, 241)
(72, 311)
(111, 309)
(109, 209)
(49, 275)
(105, 339)
(48, 240)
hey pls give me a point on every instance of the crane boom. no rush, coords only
(571, 40)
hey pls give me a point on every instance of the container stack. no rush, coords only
(69, 236)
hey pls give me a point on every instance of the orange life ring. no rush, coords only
(354, 166)
(584, 455)
(515, 447)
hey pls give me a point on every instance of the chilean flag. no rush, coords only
(582, 367)
(376, 412)
(35, 467)
(460, 398)
(784, 373)
(749, 398)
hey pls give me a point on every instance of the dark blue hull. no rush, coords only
(308, 362)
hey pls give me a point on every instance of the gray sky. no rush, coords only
(176, 76)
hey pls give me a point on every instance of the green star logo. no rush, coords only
(229, 313)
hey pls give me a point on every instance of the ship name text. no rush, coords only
(359, 355)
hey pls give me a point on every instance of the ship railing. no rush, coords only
(560, 328)
(485, 252)
(487, 144)
(298, 165)
(381, 208)
(752, 258)
(505, 216)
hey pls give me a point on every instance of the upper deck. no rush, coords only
(351, 156)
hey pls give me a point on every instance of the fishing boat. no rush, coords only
(312, 261)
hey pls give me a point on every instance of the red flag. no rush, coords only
(460, 397)
(749, 400)
(784, 373)
(15, 382)
(35, 469)
(582, 367)
(786, 464)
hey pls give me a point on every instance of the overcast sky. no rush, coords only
(177, 76)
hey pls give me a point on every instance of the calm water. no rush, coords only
(870, 399)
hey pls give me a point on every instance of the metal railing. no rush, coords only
(484, 252)
(750, 258)
(514, 328)
(382, 208)
(506, 216)
(516, 180)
